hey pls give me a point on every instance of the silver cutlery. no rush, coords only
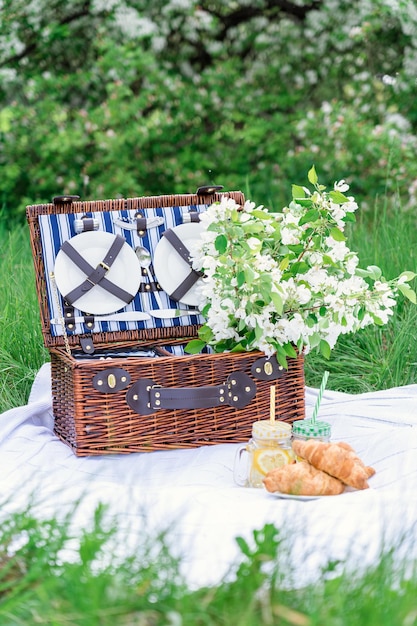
(125, 316)
(164, 314)
(145, 261)
(151, 222)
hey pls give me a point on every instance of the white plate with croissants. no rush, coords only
(323, 469)
(291, 496)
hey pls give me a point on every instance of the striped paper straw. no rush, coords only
(319, 397)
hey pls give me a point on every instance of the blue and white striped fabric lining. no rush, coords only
(57, 228)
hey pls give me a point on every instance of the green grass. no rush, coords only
(21, 343)
(96, 588)
(377, 357)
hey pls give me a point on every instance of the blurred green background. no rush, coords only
(127, 98)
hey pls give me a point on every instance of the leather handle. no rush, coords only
(145, 397)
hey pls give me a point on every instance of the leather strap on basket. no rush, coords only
(184, 253)
(96, 276)
(145, 397)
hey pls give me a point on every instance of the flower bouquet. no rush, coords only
(287, 282)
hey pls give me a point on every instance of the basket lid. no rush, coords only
(118, 270)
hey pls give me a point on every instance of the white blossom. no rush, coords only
(338, 213)
(350, 206)
(254, 244)
(337, 250)
(264, 293)
(289, 237)
(341, 186)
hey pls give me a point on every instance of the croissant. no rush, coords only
(302, 479)
(370, 471)
(338, 461)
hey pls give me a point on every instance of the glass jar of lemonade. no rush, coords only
(269, 447)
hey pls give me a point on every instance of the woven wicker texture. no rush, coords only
(97, 423)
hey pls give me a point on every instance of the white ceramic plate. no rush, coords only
(170, 268)
(289, 496)
(93, 246)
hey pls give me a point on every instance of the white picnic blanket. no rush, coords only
(191, 493)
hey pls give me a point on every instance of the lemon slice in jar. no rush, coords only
(266, 460)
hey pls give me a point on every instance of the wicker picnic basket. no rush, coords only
(121, 382)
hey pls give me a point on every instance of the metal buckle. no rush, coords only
(157, 395)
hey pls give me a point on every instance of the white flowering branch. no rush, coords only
(287, 282)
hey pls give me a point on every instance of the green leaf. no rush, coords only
(220, 244)
(278, 303)
(251, 228)
(238, 348)
(296, 248)
(338, 197)
(249, 308)
(243, 546)
(241, 325)
(205, 333)
(240, 278)
(298, 192)
(361, 272)
(407, 275)
(337, 234)
(284, 263)
(249, 275)
(265, 290)
(258, 332)
(290, 351)
(305, 202)
(374, 272)
(327, 260)
(262, 215)
(281, 356)
(194, 346)
(311, 216)
(312, 176)
(223, 346)
(314, 340)
(299, 267)
(408, 293)
(349, 217)
(325, 349)
(377, 320)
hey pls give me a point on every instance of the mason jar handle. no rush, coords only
(241, 467)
